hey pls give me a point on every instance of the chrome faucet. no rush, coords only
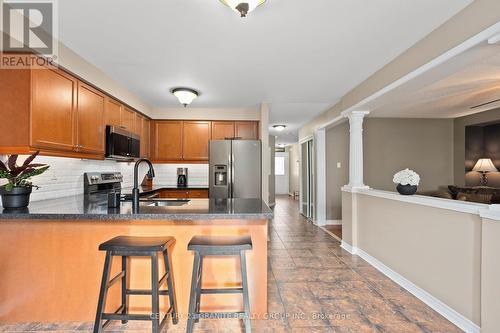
(135, 190)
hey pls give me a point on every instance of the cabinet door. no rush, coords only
(128, 120)
(222, 130)
(200, 194)
(145, 137)
(246, 130)
(196, 136)
(89, 120)
(112, 114)
(52, 109)
(168, 140)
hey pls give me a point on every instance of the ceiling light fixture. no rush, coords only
(185, 95)
(279, 127)
(243, 6)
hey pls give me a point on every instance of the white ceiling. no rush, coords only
(299, 56)
(450, 90)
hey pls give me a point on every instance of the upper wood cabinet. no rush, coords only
(52, 110)
(113, 112)
(168, 140)
(144, 126)
(196, 135)
(222, 130)
(246, 130)
(128, 120)
(90, 120)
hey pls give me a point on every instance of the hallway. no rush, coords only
(314, 286)
(329, 290)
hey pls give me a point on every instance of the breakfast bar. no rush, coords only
(50, 266)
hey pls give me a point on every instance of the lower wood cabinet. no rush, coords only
(183, 194)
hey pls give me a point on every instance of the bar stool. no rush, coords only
(218, 246)
(126, 246)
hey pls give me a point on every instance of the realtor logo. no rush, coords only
(29, 27)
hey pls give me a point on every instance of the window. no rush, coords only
(279, 166)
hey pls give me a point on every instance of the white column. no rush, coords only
(356, 148)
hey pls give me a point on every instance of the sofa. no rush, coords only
(478, 194)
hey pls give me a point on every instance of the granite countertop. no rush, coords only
(94, 207)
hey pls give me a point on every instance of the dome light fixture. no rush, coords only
(243, 6)
(279, 127)
(185, 95)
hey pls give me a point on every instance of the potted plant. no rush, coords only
(407, 181)
(16, 193)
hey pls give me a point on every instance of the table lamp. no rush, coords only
(484, 165)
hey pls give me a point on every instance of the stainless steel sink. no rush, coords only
(165, 202)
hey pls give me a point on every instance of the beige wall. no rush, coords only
(337, 151)
(477, 17)
(490, 277)
(391, 145)
(424, 145)
(459, 141)
(250, 113)
(294, 169)
(438, 250)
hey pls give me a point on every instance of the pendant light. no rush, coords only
(243, 6)
(185, 95)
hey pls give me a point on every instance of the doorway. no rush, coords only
(282, 173)
(307, 179)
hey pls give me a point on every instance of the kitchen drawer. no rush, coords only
(180, 194)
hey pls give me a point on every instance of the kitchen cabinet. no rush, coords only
(196, 135)
(168, 140)
(128, 120)
(113, 111)
(222, 130)
(183, 194)
(246, 130)
(90, 120)
(52, 110)
(145, 137)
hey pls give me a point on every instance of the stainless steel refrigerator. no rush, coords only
(235, 169)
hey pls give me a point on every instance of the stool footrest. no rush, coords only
(219, 315)
(121, 316)
(145, 292)
(222, 291)
(115, 279)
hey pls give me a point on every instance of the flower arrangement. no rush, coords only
(19, 175)
(406, 177)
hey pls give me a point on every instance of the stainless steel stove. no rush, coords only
(96, 183)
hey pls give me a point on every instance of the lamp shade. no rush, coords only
(485, 165)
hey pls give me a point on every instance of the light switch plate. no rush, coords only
(339, 165)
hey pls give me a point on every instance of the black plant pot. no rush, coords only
(406, 189)
(18, 197)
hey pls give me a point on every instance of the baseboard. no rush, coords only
(453, 316)
(333, 222)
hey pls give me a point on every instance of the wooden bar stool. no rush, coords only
(126, 246)
(218, 246)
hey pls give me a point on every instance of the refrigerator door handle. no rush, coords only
(230, 177)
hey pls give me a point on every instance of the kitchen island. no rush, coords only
(50, 266)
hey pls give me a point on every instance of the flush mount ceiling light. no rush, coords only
(243, 6)
(185, 95)
(279, 127)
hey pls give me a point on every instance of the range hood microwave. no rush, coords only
(122, 144)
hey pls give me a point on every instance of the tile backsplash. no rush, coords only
(65, 175)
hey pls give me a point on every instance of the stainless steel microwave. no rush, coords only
(122, 144)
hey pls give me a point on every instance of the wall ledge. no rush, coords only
(455, 205)
(456, 318)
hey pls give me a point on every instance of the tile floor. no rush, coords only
(314, 286)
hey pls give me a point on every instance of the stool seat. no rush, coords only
(137, 244)
(220, 243)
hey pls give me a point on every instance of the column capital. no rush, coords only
(356, 114)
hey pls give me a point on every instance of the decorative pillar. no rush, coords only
(356, 148)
